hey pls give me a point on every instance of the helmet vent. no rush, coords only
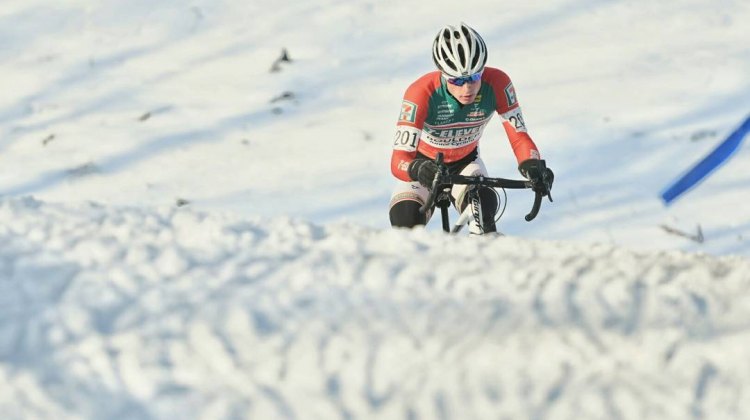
(474, 60)
(461, 54)
(451, 64)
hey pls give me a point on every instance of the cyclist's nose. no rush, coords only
(470, 86)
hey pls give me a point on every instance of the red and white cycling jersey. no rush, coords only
(433, 121)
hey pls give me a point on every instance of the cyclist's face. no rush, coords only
(465, 94)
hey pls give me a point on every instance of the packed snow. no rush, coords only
(171, 313)
(193, 228)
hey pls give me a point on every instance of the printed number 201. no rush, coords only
(405, 137)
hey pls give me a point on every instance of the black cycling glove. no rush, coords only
(423, 170)
(536, 171)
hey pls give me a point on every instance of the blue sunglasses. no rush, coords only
(460, 81)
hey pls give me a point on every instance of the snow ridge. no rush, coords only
(171, 313)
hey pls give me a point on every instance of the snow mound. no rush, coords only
(170, 313)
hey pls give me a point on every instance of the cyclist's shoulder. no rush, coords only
(426, 84)
(493, 75)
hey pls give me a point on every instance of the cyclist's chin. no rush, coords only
(465, 100)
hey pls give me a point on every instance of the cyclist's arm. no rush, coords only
(409, 126)
(510, 111)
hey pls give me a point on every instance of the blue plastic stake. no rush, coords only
(713, 160)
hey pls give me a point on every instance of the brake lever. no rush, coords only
(535, 209)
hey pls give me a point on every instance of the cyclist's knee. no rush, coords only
(488, 198)
(406, 214)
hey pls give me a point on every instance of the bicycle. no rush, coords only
(440, 194)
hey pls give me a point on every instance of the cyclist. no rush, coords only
(446, 111)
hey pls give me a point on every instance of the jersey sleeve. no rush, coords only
(414, 108)
(512, 118)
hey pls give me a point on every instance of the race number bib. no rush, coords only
(515, 118)
(406, 138)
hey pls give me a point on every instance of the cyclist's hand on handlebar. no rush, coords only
(423, 170)
(541, 177)
(547, 178)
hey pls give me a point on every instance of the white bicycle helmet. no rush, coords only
(459, 51)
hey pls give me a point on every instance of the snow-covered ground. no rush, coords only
(147, 102)
(170, 313)
(185, 233)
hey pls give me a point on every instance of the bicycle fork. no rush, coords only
(471, 213)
